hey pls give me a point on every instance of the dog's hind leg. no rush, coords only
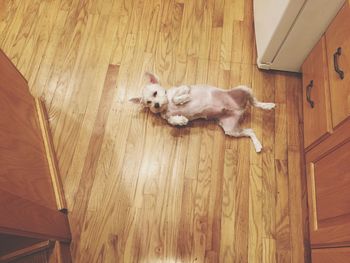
(241, 92)
(230, 124)
(248, 133)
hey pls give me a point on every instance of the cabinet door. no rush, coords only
(331, 255)
(328, 177)
(338, 53)
(27, 200)
(317, 122)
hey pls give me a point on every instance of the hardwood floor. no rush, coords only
(137, 189)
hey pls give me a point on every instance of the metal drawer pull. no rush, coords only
(336, 65)
(308, 93)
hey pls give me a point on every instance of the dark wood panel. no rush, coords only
(26, 252)
(25, 218)
(331, 255)
(10, 243)
(39, 257)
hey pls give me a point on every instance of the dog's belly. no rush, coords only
(206, 102)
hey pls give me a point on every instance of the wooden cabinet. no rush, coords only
(338, 52)
(326, 106)
(317, 120)
(331, 255)
(328, 179)
(30, 193)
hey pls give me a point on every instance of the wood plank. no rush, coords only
(295, 173)
(283, 239)
(256, 228)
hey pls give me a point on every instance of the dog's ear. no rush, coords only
(137, 100)
(152, 78)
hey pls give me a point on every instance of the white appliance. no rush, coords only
(287, 30)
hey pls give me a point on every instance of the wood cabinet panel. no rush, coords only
(317, 120)
(23, 163)
(338, 36)
(27, 200)
(328, 176)
(331, 255)
(332, 182)
(25, 218)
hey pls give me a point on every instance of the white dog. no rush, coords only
(179, 105)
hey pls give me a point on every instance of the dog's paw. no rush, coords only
(179, 100)
(269, 106)
(178, 120)
(258, 147)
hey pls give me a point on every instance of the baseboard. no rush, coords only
(51, 156)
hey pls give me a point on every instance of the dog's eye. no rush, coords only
(149, 102)
(155, 94)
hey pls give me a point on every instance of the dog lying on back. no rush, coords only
(179, 105)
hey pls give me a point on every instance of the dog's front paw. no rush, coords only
(178, 120)
(179, 100)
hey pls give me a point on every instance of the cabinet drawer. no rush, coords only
(328, 176)
(317, 122)
(338, 53)
(331, 255)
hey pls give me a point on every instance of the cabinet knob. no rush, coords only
(308, 94)
(336, 55)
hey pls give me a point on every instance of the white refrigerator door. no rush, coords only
(273, 19)
(309, 27)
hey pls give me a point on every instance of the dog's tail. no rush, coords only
(252, 100)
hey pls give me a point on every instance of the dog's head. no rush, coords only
(153, 95)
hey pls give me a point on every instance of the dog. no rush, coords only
(179, 105)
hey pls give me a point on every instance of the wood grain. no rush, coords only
(10, 243)
(317, 118)
(337, 35)
(329, 215)
(44, 245)
(22, 150)
(31, 220)
(26, 194)
(60, 253)
(140, 190)
(332, 199)
(51, 156)
(331, 255)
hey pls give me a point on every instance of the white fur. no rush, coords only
(179, 105)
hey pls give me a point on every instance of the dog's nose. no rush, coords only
(156, 105)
